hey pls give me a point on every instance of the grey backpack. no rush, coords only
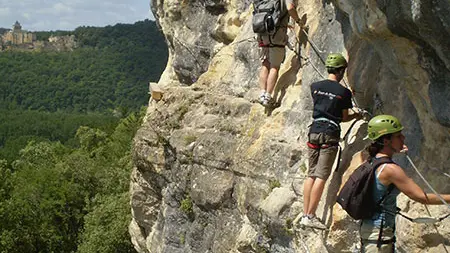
(267, 16)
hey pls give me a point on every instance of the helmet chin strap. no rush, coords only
(389, 146)
(392, 148)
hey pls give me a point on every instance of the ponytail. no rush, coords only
(375, 147)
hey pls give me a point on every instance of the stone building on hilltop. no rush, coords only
(17, 36)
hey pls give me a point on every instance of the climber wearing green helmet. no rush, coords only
(331, 103)
(378, 232)
(335, 61)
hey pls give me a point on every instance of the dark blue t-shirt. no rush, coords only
(330, 98)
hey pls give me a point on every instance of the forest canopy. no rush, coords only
(110, 69)
(67, 121)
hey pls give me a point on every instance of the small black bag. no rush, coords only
(356, 196)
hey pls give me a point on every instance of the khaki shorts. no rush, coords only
(275, 55)
(321, 160)
(369, 232)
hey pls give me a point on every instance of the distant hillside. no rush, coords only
(3, 30)
(110, 70)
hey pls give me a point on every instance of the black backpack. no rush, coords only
(267, 15)
(356, 196)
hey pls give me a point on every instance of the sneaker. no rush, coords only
(296, 223)
(313, 222)
(262, 97)
(267, 100)
(303, 220)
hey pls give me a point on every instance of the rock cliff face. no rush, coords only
(215, 172)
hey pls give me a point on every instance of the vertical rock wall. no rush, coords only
(215, 172)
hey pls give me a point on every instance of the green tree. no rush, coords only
(62, 199)
(106, 227)
(90, 138)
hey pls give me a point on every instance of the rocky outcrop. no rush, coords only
(62, 43)
(215, 172)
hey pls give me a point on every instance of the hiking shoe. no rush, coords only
(313, 222)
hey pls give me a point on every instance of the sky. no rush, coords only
(51, 15)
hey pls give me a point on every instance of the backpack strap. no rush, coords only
(376, 163)
(278, 26)
(389, 190)
(380, 234)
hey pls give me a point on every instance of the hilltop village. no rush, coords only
(16, 38)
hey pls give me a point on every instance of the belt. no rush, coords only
(261, 44)
(321, 146)
(327, 120)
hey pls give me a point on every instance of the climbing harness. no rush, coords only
(328, 145)
(328, 121)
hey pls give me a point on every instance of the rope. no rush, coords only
(313, 45)
(378, 102)
(422, 220)
(308, 60)
(426, 182)
(199, 66)
(436, 169)
(315, 68)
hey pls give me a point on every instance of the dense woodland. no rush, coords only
(67, 120)
(109, 70)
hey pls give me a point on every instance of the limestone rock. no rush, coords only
(207, 156)
(279, 200)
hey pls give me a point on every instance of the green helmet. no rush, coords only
(383, 124)
(335, 61)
